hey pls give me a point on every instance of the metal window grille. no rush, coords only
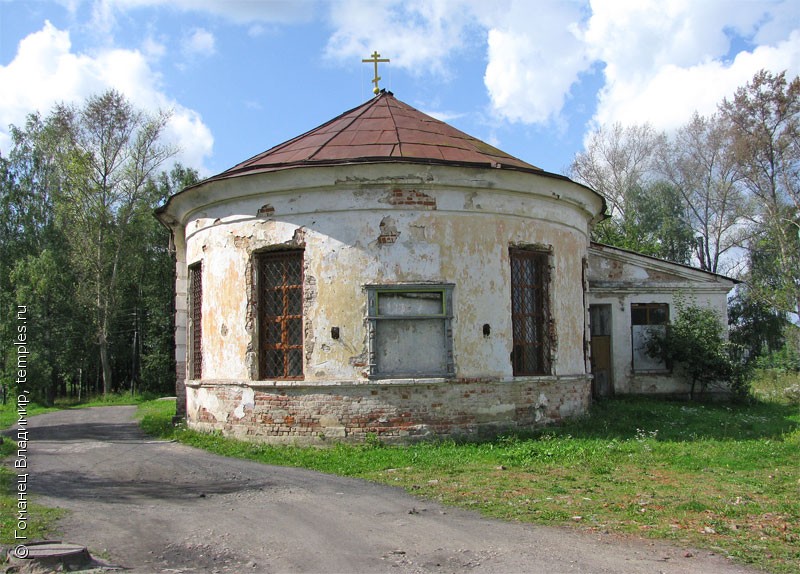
(280, 314)
(196, 320)
(530, 312)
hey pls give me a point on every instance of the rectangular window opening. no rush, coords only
(279, 285)
(530, 312)
(647, 319)
(196, 321)
(410, 330)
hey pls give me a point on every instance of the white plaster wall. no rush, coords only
(464, 240)
(625, 379)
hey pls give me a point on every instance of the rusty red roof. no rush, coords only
(382, 129)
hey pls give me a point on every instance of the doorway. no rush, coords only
(600, 344)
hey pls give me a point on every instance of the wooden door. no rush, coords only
(600, 330)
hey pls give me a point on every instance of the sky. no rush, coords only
(532, 77)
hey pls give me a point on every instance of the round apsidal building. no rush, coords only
(381, 274)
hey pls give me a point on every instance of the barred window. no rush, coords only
(196, 321)
(530, 312)
(279, 285)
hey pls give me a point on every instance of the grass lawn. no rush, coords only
(720, 477)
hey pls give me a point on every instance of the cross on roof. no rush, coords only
(376, 57)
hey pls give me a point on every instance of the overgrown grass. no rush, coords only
(721, 477)
(776, 385)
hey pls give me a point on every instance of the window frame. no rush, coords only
(260, 259)
(648, 364)
(541, 259)
(194, 326)
(375, 318)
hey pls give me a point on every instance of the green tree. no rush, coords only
(757, 328)
(700, 163)
(695, 345)
(654, 223)
(81, 249)
(144, 337)
(764, 119)
(29, 241)
(617, 159)
(112, 151)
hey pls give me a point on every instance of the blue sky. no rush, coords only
(532, 77)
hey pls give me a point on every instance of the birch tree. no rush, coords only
(700, 163)
(764, 118)
(112, 152)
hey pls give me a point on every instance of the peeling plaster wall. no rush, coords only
(620, 279)
(431, 226)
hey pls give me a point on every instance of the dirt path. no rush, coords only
(152, 506)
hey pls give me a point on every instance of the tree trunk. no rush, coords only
(105, 363)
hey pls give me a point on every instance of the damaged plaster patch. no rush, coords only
(309, 299)
(241, 241)
(265, 210)
(418, 232)
(299, 237)
(541, 408)
(248, 402)
(389, 233)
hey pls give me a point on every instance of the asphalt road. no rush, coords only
(152, 506)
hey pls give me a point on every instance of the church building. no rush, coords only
(387, 274)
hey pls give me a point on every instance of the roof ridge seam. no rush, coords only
(396, 131)
(357, 116)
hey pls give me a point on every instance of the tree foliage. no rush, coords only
(700, 163)
(737, 178)
(696, 346)
(82, 251)
(764, 119)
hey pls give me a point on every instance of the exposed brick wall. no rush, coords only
(412, 197)
(394, 413)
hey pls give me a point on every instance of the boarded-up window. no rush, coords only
(410, 333)
(647, 319)
(279, 285)
(530, 312)
(196, 321)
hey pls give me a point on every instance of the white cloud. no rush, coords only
(661, 59)
(535, 56)
(417, 35)
(237, 11)
(666, 59)
(200, 42)
(153, 49)
(45, 71)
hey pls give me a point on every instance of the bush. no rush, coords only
(696, 345)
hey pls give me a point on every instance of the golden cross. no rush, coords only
(376, 57)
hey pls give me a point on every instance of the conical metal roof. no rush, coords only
(383, 129)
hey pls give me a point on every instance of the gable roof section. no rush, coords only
(382, 129)
(616, 268)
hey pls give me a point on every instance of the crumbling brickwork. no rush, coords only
(394, 413)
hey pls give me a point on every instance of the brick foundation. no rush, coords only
(399, 412)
